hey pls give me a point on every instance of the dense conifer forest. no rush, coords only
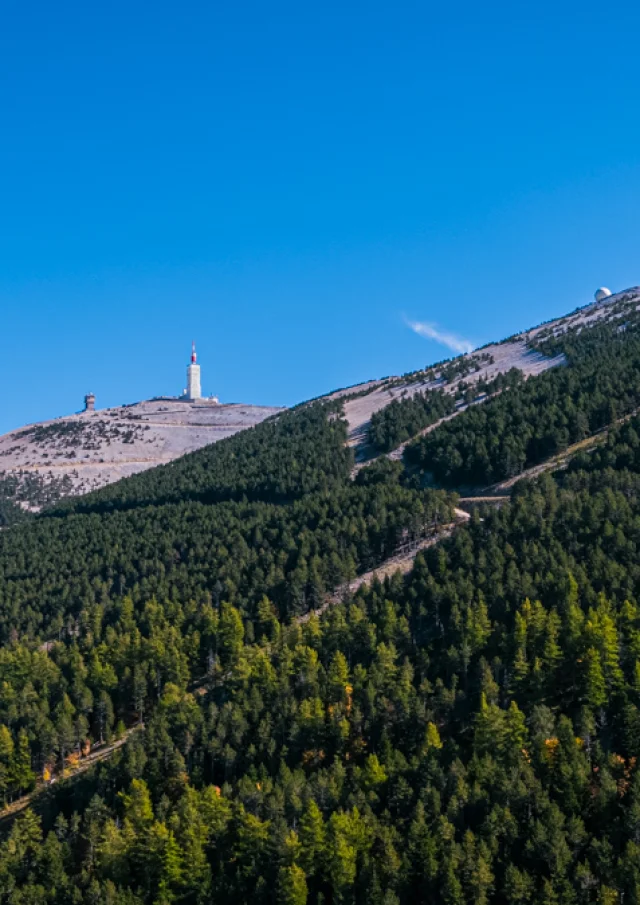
(539, 417)
(466, 734)
(10, 512)
(405, 417)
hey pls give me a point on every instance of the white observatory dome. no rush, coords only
(602, 294)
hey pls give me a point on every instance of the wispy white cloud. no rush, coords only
(450, 340)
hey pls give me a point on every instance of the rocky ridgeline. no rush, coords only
(45, 462)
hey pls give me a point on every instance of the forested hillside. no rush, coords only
(10, 512)
(541, 416)
(282, 459)
(254, 529)
(467, 734)
(403, 418)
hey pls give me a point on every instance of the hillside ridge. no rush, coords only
(75, 454)
(482, 364)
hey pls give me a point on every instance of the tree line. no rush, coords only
(403, 418)
(542, 416)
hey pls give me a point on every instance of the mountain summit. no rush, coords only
(70, 456)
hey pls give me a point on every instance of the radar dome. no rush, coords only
(602, 294)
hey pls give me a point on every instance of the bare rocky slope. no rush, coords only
(362, 401)
(73, 455)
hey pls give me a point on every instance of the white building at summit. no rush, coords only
(193, 390)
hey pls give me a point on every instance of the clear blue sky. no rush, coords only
(288, 182)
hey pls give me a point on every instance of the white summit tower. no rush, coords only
(193, 377)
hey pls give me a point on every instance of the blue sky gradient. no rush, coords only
(290, 184)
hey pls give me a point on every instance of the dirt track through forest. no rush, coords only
(98, 754)
(399, 562)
